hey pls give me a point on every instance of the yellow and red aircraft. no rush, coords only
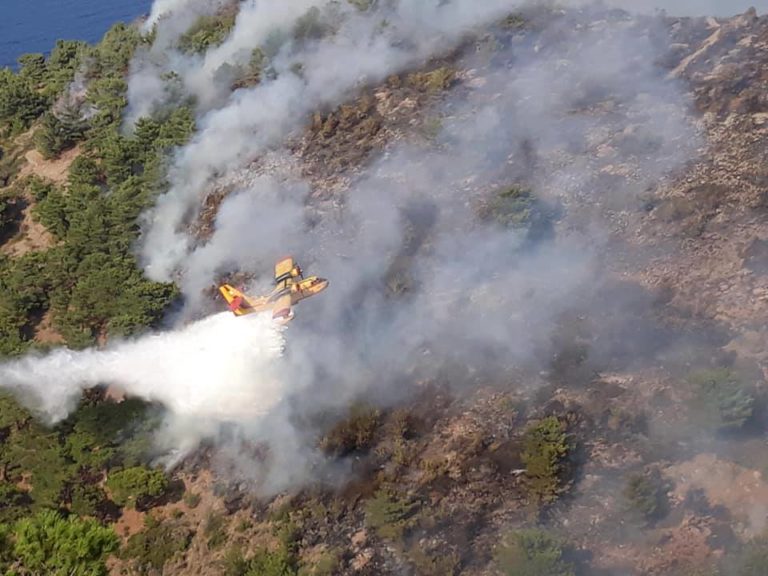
(290, 288)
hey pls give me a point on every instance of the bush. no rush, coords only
(545, 449)
(441, 563)
(326, 564)
(533, 553)
(207, 31)
(723, 400)
(215, 530)
(192, 499)
(389, 514)
(137, 486)
(264, 562)
(354, 434)
(647, 495)
(437, 80)
(156, 544)
(753, 559)
(512, 207)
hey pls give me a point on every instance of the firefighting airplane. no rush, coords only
(290, 288)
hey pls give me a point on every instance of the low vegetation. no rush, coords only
(389, 513)
(49, 543)
(533, 552)
(207, 31)
(646, 494)
(262, 562)
(159, 542)
(137, 486)
(545, 450)
(512, 207)
(723, 401)
(353, 434)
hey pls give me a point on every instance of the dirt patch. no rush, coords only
(55, 170)
(32, 235)
(682, 548)
(741, 490)
(131, 522)
(45, 333)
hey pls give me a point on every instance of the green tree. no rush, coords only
(59, 132)
(545, 449)
(137, 486)
(207, 31)
(33, 67)
(20, 103)
(49, 544)
(390, 514)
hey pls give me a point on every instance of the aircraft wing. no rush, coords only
(281, 307)
(283, 269)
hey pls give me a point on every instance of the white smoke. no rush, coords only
(361, 51)
(220, 368)
(478, 289)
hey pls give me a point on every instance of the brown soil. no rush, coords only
(45, 333)
(741, 490)
(32, 236)
(55, 170)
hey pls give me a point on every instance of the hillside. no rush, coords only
(543, 347)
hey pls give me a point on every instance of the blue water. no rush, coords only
(35, 25)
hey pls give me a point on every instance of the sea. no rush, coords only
(35, 25)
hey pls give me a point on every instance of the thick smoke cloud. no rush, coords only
(362, 50)
(591, 106)
(569, 108)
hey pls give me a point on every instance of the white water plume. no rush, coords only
(221, 368)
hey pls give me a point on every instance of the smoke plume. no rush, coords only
(576, 111)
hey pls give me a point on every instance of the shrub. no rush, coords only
(354, 434)
(533, 552)
(437, 80)
(752, 559)
(137, 486)
(325, 564)
(723, 400)
(86, 499)
(264, 562)
(435, 564)
(157, 543)
(389, 514)
(545, 449)
(647, 495)
(214, 530)
(192, 499)
(512, 207)
(207, 31)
